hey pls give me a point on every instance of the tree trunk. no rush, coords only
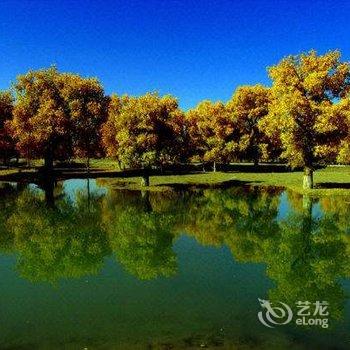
(88, 165)
(48, 186)
(146, 201)
(307, 205)
(308, 182)
(6, 161)
(88, 192)
(48, 165)
(214, 167)
(145, 178)
(256, 161)
(48, 161)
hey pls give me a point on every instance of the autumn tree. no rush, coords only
(109, 130)
(87, 106)
(7, 147)
(40, 118)
(56, 115)
(145, 131)
(306, 107)
(343, 149)
(210, 130)
(248, 106)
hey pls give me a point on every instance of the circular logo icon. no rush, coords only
(274, 315)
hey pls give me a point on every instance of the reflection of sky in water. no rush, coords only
(317, 211)
(73, 186)
(35, 188)
(285, 208)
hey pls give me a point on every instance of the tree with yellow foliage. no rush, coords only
(56, 115)
(247, 108)
(307, 107)
(40, 121)
(211, 130)
(7, 145)
(87, 106)
(343, 149)
(144, 131)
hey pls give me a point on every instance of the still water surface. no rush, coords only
(85, 265)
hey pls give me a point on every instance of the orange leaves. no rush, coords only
(56, 111)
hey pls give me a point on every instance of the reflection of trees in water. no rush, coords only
(306, 261)
(56, 242)
(305, 256)
(141, 236)
(339, 207)
(238, 217)
(60, 238)
(8, 195)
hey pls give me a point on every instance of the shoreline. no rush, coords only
(332, 180)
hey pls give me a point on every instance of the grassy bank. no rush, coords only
(328, 181)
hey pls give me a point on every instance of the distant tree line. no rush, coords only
(303, 119)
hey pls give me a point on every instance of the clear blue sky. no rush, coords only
(193, 49)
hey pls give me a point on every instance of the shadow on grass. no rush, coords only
(333, 185)
(251, 168)
(222, 185)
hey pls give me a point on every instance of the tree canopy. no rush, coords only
(210, 130)
(309, 107)
(7, 146)
(247, 108)
(144, 131)
(56, 115)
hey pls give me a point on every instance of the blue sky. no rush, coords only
(194, 50)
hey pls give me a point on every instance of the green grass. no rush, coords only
(338, 177)
(329, 181)
(105, 163)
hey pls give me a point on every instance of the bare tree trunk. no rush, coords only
(48, 186)
(145, 178)
(308, 182)
(88, 164)
(146, 201)
(214, 167)
(48, 161)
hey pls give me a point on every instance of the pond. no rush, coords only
(85, 265)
